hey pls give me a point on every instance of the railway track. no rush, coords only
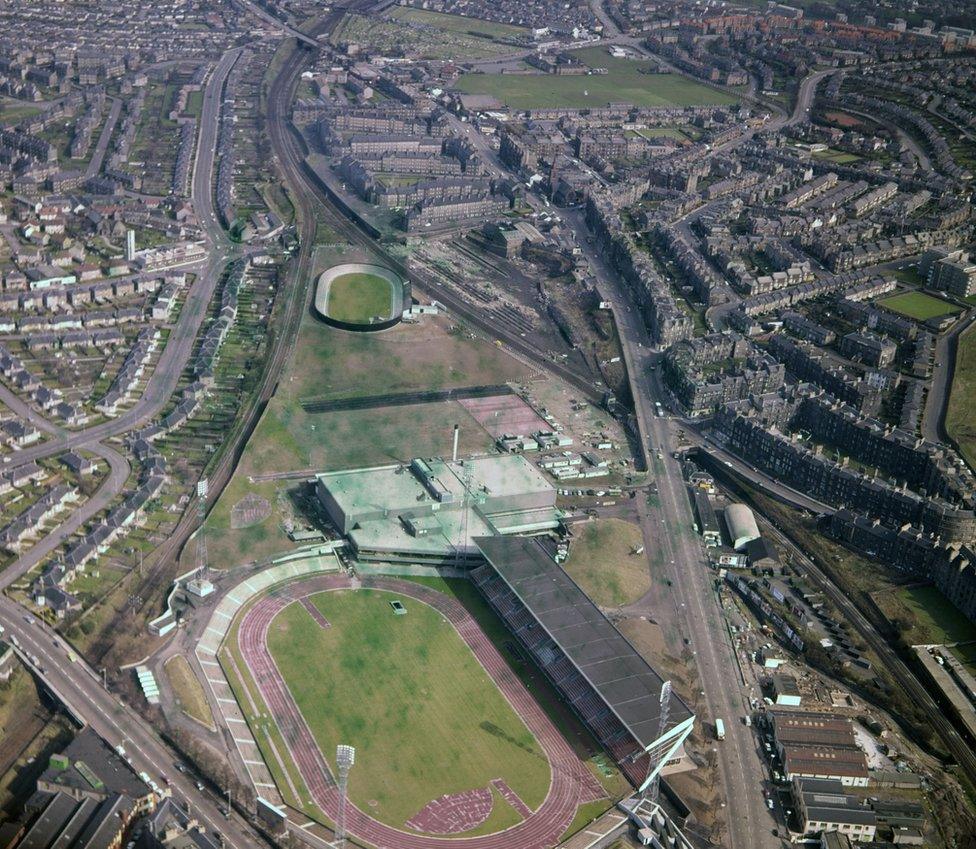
(956, 744)
(290, 149)
(295, 295)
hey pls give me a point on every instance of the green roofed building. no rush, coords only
(430, 510)
(89, 768)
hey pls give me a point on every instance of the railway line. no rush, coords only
(958, 746)
(290, 149)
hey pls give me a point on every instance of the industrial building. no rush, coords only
(707, 523)
(431, 510)
(606, 682)
(818, 745)
(785, 690)
(741, 525)
(823, 806)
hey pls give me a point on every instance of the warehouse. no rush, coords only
(848, 766)
(430, 509)
(823, 806)
(707, 523)
(818, 745)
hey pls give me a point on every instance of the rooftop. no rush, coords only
(610, 664)
(93, 767)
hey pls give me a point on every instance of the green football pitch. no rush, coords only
(919, 306)
(407, 692)
(358, 297)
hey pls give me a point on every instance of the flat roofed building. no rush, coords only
(88, 767)
(707, 523)
(822, 805)
(786, 690)
(606, 681)
(431, 509)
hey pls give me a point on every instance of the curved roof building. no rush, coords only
(741, 524)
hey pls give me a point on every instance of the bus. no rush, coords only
(719, 729)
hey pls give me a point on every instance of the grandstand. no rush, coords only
(609, 686)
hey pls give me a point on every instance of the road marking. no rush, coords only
(227, 701)
(215, 631)
(253, 763)
(210, 663)
(265, 784)
(221, 613)
(235, 719)
(244, 742)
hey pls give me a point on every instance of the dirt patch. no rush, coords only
(251, 510)
(842, 119)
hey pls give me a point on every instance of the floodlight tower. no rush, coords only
(662, 727)
(345, 758)
(203, 489)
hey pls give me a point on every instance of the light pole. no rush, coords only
(345, 758)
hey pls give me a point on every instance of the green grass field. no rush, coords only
(919, 306)
(431, 35)
(394, 685)
(936, 619)
(359, 297)
(840, 157)
(12, 111)
(670, 132)
(600, 561)
(961, 415)
(625, 82)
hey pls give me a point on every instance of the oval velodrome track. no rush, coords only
(572, 783)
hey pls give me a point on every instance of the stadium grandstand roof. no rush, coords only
(609, 663)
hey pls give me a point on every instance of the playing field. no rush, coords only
(458, 23)
(961, 415)
(840, 157)
(359, 297)
(626, 81)
(424, 716)
(919, 306)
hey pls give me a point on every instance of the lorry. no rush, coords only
(719, 729)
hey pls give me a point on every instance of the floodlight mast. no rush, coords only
(203, 490)
(345, 758)
(661, 729)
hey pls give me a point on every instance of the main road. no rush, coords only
(42, 649)
(179, 346)
(669, 534)
(80, 687)
(741, 764)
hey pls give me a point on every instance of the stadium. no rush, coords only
(307, 657)
(361, 296)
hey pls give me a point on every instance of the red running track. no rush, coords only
(571, 783)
